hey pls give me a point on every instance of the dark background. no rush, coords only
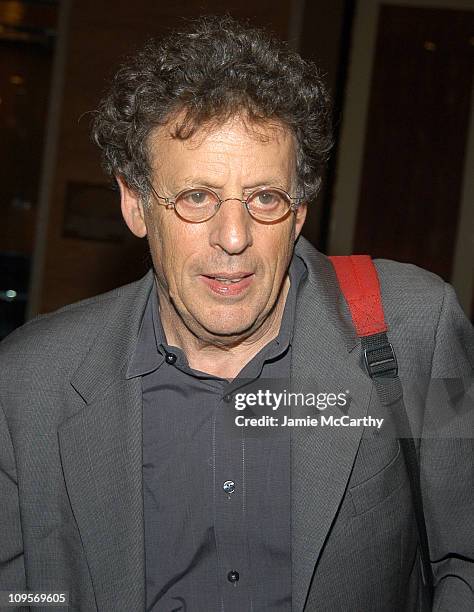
(61, 233)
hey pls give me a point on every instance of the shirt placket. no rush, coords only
(230, 520)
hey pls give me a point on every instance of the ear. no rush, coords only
(132, 209)
(300, 217)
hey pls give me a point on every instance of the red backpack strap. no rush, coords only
(359, 283)
(360, 286)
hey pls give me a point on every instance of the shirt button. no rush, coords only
(170, 358)
(229, 486)
(233, 576)
(227, 398)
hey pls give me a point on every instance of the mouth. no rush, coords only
(227, 284)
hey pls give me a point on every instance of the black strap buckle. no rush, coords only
(381, 361)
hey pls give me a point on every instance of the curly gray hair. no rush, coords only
(218, 67)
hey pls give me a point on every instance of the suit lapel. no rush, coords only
(101, 454)
(322, 457)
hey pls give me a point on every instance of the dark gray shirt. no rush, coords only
(216, 496)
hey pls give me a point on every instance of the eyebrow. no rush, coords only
(202, 182)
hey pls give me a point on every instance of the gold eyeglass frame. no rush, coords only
(170, 203)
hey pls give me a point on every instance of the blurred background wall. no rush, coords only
(399, 184)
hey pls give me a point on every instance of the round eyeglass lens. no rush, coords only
(196, 204)
(268, 204)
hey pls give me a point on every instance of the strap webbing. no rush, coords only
(360, 286)
(359, 282)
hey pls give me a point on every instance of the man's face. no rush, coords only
(232, 160)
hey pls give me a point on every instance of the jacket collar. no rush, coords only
(107, 361)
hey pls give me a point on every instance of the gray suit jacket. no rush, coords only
(71, 515)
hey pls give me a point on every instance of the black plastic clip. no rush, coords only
(381, 361)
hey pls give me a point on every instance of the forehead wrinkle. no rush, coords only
(205, 170)
(215, 175)
(226, 154)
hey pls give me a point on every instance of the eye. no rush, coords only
(267, 197)
(197, 198)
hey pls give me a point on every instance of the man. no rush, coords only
(125, 477)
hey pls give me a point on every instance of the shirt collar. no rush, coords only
(146, 358)
(151, 348)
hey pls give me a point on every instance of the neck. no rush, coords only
(211, 355)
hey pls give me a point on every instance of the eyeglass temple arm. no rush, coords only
(167, 201)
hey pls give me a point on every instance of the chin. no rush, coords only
(228, 329)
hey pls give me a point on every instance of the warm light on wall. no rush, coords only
(11, 12)
(16, 79)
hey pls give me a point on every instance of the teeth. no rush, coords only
(227, 280)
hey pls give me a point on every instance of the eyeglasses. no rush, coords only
(201, 204)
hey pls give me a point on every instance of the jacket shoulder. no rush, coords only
(412, 297)
(70, 329)
(408, 278)
(425, 319)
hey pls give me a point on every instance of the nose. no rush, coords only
(231, 227)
